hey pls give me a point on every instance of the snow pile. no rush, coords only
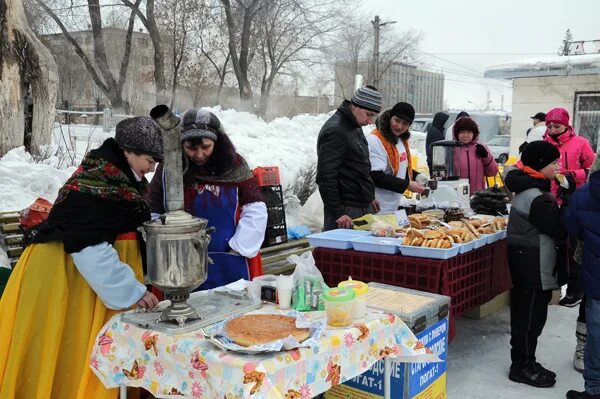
(22, 180)
(549, 62)
(289, 143)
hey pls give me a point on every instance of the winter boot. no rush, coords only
(531, 374)
(581, 395)
(581, 334)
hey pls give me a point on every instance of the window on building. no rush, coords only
(587, 116)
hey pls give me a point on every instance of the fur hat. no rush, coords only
(558, 115)
(404, 111)
(465, 123)
(539, 154)
(200, 123)
(141, 134)
(367, 98)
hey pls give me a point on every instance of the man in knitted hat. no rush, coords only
(343, 167)
(535, 229)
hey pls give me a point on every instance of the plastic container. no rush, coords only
(492, 238)
(360, 302)
(481, 241)
(336, 239)
(432, 253)
(381, 245)
(339, 304)
(267, 175)
(466, 247)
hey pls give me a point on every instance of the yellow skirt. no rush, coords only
(49, 320)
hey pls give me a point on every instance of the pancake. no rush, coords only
(258, 329)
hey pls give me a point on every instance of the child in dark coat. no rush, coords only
(535, 228)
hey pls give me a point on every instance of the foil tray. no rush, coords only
(212, 306)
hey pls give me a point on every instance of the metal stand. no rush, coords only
(387, 377)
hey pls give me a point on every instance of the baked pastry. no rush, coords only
(258, 329)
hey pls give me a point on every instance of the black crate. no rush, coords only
(276, 215)
(276, 234)
(273, 195)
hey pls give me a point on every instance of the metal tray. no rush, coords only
(212, 306)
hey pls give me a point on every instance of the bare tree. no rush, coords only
(289, 33)
(23, 58)
(213, 45)
(240, 18)
(99, 68)
(148, 19)
(180, 22)
(353, 52)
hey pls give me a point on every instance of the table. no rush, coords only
(470, 279)
(189, 365)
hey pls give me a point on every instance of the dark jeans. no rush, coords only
(574, 286)
(528, 314)
(330, 224)
(591, 357)
(582, 318)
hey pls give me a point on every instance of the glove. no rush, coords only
(421, 178)
(480, 151)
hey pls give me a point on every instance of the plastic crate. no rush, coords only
(273, 195)
(420, 274)
(337, 238)
(267, 175)
(276, 234)
(382, 245)
(467, 279)
(275, 215)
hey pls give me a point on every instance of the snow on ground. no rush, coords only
(284, 142)
(479, 357)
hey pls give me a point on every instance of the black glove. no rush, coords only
(480, 151)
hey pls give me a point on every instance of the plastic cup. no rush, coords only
(284, 285)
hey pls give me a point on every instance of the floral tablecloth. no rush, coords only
(189, 365)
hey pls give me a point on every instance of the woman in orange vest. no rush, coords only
(389, 153)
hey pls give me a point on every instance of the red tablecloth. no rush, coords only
(469, 279)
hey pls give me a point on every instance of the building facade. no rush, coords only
(399, 82)
(570, 82)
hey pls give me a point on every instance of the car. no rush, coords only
(500, 148)
(421, 124)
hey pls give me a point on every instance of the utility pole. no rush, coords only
(377, 24)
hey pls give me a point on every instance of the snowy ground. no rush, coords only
(479, 357)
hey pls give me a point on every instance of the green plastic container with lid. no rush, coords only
(339, 304)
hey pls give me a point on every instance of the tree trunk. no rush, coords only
(23, 58)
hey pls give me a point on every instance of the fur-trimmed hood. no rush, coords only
(383, 125)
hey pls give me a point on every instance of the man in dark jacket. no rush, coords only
(343, 167)
(535, 228)
(583, 222)
(435, 132)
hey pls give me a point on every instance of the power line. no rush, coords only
(451, 62)
(477, 83)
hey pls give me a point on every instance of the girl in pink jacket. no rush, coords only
(576, 154)
(476, 160)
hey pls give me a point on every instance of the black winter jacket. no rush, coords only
(343, 166)
(435, 132)
(535, 231)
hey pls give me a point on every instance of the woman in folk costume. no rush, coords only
(83, 264)
(389, 153)
(219, 186)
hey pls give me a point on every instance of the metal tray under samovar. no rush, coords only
(212, 306)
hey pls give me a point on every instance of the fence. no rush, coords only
(109, 120)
